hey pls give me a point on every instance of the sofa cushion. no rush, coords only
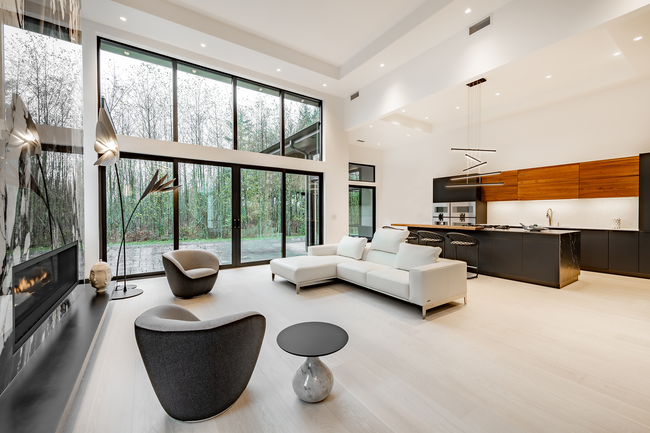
(200, 272)
(381, 257)
(351, 247)
(411, 256)
(307, 268)
(356, 271)
(392, 281)
(388, 240)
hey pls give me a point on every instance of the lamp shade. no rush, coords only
(21, 128)
(106, 141)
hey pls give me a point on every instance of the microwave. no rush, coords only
(464, 209)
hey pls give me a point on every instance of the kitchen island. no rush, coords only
(548, 257)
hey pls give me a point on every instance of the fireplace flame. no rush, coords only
(26, 283)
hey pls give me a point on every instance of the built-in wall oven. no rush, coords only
(464, 213)
(441, 214)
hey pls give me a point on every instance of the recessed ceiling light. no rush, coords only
(407, 135)
(279, 70)
(123, 18)
(616, 54)
(381, 66)
(324, 85)
(403, 111)
(638, 38)
(457, 108)
(127, 53)
(497, 94)
(468, 10)
(426, 118)
(548, 76)
(371, 126)
(377, 144)
(203, 45)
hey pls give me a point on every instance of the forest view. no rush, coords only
(138, 90)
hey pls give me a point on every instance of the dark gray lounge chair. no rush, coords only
(190, 272)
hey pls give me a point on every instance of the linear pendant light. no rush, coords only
(473, 140)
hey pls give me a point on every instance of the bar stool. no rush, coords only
(463, 240)
(433, 238)
(413, 236)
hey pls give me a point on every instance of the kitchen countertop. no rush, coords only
(591, 228)
(473, 228)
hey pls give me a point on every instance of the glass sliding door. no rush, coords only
(362, 211)
(151, 231)
(205, 209)
(302, 213)
(260, 219)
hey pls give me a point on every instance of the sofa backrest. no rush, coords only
(380, 257)
(388, 240)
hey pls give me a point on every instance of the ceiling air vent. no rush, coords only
(361, 141)
(479, 25)
(354, 96)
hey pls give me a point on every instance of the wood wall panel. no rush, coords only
(549, 183)
(505, 192)
(610, 178)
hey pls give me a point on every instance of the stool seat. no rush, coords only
(427, 237)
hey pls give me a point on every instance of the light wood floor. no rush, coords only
(517, 358)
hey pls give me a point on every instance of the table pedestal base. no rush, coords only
(313, 381)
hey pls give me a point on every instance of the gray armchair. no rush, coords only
(198, 369)
(190, 272)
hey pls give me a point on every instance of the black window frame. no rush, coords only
(374, 208)
(234, 78)
(374, 174)
(103, 223)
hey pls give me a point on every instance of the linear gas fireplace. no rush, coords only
(39, 287)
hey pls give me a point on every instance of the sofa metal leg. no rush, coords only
(297, 289)
(424, 313)
(272, 277)
(465, 299)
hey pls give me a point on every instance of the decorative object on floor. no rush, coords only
(107, 146)
(100, 276)
(431, 283)
(190, 272)
(463, 240)
(473, 150)
(313, 381)
(616, 223)
(198, 368)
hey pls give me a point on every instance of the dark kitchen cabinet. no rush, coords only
(507, 255)
(644, 253)
(594, 249)
(442, 194)
(623, 251)
(644, 192)
(540, 259)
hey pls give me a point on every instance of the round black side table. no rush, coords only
(313, 381)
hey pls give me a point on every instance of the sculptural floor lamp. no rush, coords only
(107, 147)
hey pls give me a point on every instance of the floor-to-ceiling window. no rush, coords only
(245, 215)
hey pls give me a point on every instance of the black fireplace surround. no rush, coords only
(39, 286)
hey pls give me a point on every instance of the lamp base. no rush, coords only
(129, 293)
(128, 286)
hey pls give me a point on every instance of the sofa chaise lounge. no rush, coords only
(412, 273)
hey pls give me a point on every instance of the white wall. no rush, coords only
(608, 124)
(334, 167)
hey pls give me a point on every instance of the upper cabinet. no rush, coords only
(549, 183)
(506, 192)
(610, 178)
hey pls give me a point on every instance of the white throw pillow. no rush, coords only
(388, 240)
(411, 256)
(351, 247)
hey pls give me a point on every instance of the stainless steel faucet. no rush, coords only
(549, 215)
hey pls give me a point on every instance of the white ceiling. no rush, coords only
(332, 31)
(579, 65)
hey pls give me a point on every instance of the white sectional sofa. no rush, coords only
(412, 273)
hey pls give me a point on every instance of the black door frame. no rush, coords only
(374, 206)
(236, 206)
